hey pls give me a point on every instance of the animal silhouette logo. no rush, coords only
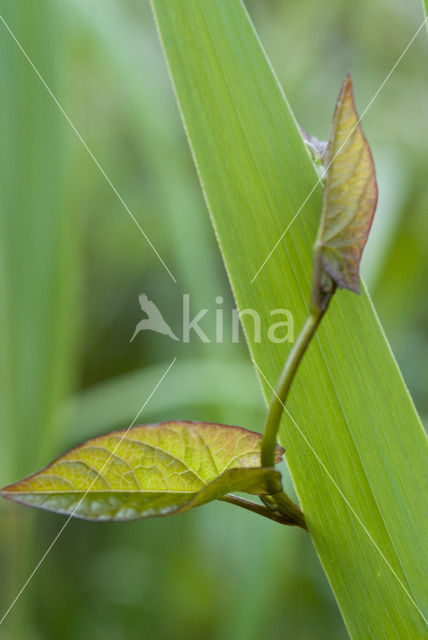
(154, 320)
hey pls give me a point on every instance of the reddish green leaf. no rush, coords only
(350, 197)
(150, 470)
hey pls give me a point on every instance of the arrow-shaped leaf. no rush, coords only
(350, 197)
(150, 470)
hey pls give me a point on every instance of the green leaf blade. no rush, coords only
(149, 470)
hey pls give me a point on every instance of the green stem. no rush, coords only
(286, 378)
(282, 505)
(280, 502)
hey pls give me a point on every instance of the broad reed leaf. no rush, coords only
(150, 470)
(350, 197)
(355, 446)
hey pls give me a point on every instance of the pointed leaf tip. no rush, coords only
(150, 470)
(350, 197)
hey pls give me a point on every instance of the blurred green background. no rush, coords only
(72, 264)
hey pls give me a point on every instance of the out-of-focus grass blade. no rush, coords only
(124, 45)
(37, 240)
(37, 272)
(191, 386)
(356, 450)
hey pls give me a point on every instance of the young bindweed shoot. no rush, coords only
(158, 470)
(349, 203)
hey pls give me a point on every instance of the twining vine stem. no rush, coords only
(283, 386)
(280, 501)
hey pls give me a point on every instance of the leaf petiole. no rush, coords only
(268, 512)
